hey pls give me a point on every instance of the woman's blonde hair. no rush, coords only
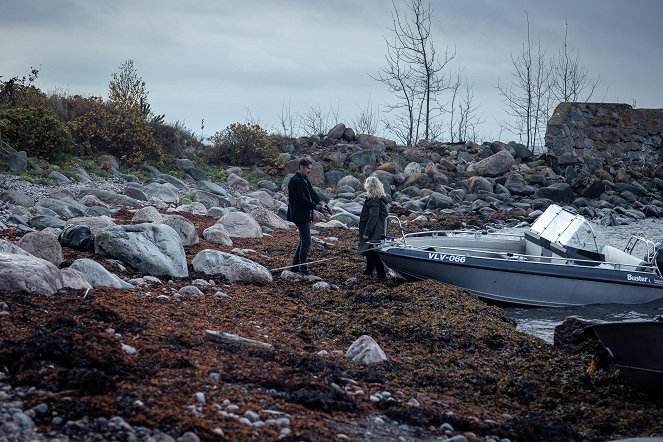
(373, 187)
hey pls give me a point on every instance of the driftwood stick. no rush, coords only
(227, 338)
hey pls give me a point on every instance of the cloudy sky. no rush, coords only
(236, 61)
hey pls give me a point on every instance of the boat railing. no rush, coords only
(400, 226)
(649, 246)
(645, 267)
(476, 234)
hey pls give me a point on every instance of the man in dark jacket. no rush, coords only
(302, 201)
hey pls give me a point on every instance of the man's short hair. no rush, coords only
(305, 162)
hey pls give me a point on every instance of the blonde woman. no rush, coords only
(371, 224)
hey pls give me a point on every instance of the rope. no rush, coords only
(322, 260)
(307, 263)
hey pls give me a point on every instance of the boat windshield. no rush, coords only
(558, 225)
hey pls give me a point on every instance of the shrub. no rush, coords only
(120, 132)
(176, 140)
(245, 145)
(36, 131)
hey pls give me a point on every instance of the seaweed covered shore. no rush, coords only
(456, 366)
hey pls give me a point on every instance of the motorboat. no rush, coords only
(637, 350)
(556, 263)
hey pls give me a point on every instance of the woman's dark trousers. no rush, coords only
(373, 262)
(303, 248)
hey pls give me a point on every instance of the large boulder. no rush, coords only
(74, 279)
(477, 183)
(365, 157)
(371, 142)
(97, 275)
(147, 214)
(209, 199)
(43, 221)
(178, 183)
(232, 267)
(65, 209)
(265, 200)
(438, 201)
(495, 165)
(350, 181)
(111, 198)
(268, 218)
(336, 132)
(240, 225)
(166, 192)
(153, 249)
(16, 197)
(236, 182)
(9, 247)
(185, 228)
(517, 185)
(42, 245)
(208, 186)
(558, 192)
(217, 234)
(94, 223)
(21, 273)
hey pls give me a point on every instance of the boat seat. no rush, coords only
(614, 255)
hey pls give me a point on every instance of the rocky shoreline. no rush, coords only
(111, 345)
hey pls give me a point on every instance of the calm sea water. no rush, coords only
(541, 322)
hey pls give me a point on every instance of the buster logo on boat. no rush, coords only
(637, 278)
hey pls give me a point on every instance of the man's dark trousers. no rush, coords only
(303, 248)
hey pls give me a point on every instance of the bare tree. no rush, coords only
(368, 119)
(316, 122)
(414, 72)
(570, 79)
(528, 97)
(287, 120)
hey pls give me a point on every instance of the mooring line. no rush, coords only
(306, 264)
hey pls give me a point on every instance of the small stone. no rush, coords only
(244, 420)
(218, 432)
(200, 397)
(188, 437)
(129, 349)
(446, 426)
(283, 421)
(23, 420)
(252, 415)
(413, 403)
(190, 290)
(232, 408)
(41, 408)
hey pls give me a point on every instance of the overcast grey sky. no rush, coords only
(226, 60)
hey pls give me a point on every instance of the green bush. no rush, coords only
(36, 131)
(120, 132)
(245, 145)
